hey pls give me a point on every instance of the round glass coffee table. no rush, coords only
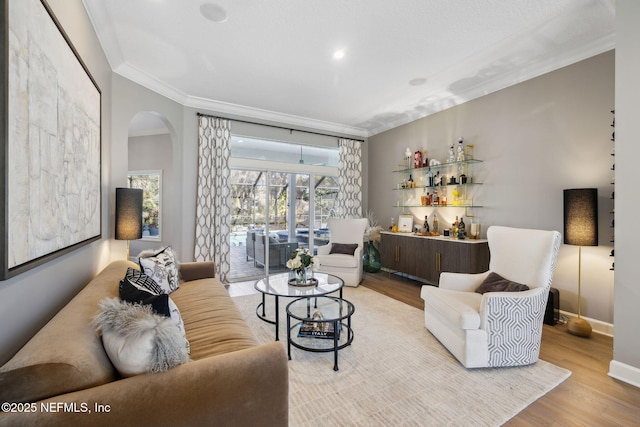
(278, 286)
(320, 328)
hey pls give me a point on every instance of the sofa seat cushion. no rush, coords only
(338, 260)
(462, 309)
(213, 323)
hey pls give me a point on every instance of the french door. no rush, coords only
(273, 214)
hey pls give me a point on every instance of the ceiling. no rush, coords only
(273, 60)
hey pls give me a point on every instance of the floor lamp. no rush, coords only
(580, 229)
(128, 215)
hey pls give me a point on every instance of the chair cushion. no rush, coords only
(462, 309)
(496, 283)
(338, 260)
(343, 248)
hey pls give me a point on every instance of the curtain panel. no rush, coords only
(213, 211)
(350, 178)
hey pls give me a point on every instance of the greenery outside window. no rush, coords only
(151, 183)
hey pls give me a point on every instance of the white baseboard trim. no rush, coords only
(623, 372)
(598, 326)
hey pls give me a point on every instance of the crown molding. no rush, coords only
(143, 79)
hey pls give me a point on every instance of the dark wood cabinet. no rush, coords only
(398, 254)
(426, 257)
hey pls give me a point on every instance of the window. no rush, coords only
(151, 184)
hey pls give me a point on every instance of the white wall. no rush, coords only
(154, 152)
(536, 139)
(129, 99)
(29, 300)
(626, 351)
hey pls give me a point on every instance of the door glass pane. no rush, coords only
(326, 194)
(271, 218)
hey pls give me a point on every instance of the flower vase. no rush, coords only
(301, 276)
(371, 259)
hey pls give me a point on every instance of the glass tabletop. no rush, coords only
(332, 309)
(278, 284)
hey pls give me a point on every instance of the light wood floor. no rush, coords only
(589, 397)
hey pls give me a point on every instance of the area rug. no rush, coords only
(396, 373)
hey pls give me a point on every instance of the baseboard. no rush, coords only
(623, 372)
(598, 326)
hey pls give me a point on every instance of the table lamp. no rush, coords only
(580, 229)
(128, 215)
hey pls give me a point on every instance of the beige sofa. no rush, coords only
(63, 376)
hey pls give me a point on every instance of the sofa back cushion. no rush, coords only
(66, 354)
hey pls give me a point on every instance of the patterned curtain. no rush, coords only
(350, 178)
(213, 212)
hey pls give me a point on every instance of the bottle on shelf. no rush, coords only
(411, 183)
(460, 151)
(443, 198)
(430, 182)
(437, 179)
(425, 226)
(424, 198)
(429, 199)
(435, 201)
(462, 229)
(454, 228)
(435, 224)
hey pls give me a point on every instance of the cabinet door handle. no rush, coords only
(397, 253)
(438, 261)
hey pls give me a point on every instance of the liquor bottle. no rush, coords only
(435, 224)
(424, 198)
(429, 199)
(435, 201)
(443, 198)
(437, 180)
(460, 151)
(429, 178)
(462, 229)
(425, 226)
(410, 183)
(454, 228)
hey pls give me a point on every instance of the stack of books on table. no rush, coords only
(317, 330)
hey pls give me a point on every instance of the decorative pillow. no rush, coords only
(496, 283)
(137, 340)
(141, 281)
(343, 248)
(162, 268)
(161, 304)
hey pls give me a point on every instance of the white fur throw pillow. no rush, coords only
(137, 340)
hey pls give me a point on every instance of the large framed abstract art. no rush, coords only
(50, 130)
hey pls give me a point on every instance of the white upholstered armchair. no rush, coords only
(340, 257)
(496, 328)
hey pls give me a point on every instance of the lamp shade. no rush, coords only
(581, 217)
(128, 213)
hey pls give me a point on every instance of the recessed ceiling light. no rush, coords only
(338, 54)
(417, 82)
(213, 12)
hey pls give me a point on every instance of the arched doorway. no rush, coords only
(150, 160)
